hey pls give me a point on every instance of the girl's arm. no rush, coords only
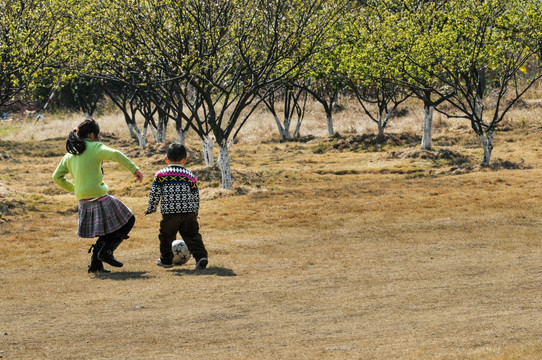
(139, 175)
(59, 177)
(107, 153)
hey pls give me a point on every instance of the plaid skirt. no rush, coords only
(102, 216)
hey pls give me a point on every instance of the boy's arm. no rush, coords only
(196, 198)
(154, 198)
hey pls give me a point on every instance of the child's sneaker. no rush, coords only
(159, 263)
(202, 263)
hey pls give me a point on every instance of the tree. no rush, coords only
(245, 47)
(294, 99)
(125, 98)
(482, 50)
(411, 21)
(31, 43)
(220, 55)
(371, 64)
(87, 93)
(323, 79)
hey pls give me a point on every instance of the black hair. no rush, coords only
(176, 152)
(75, 144)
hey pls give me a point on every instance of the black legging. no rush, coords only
(118, 235)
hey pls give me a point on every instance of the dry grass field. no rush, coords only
(328, 248)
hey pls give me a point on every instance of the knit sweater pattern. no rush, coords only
(176, 189)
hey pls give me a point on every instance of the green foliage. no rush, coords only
(31, 43)
(210, 59)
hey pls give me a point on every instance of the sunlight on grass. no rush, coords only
(332, 247)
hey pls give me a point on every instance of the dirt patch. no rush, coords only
(5, 156)
(365, 142)
(9, 205)
(500, 164)
(215, 193)
(441, 154)
(4, 190)
(213, 174)
(13, 150)
(469, 167)
(447, 161)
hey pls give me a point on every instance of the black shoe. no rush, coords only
(201, 264)
(160, 263)
(96, 266)
(106, 255)
(94, 270)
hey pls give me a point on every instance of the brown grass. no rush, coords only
(332, 248)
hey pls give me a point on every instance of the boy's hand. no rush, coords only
(138, 175)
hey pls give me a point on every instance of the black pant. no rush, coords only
(119, 234)
(187, 226)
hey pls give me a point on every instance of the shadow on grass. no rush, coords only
(124, 275)
(212, 270)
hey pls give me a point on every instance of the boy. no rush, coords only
(177, 189)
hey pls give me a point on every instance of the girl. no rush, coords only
(100, 215)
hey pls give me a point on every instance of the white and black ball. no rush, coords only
(180, 252)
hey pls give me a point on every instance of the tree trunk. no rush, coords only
(427, 136)
(329, 117)
(143, 142)
(487, 144)
(132, 126)
(181, 136)
(207, 147)
(297, 129)
(381, 126)
(161, 131)
(154, 133)
(287, 122)
(282, 133)
(380, 130)
(224, 164)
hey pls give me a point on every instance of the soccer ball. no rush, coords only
(180, 252)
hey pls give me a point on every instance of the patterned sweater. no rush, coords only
(176, 189)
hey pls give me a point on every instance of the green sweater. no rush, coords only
(86, 170)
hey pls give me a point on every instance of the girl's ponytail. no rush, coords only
(75, 144)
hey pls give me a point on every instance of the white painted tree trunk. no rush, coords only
(487, 143)
(382, 123)
(154, 133)
(284, 131)
(144, 137)
(161, 131)
(486, 137)
(427, 136)
(131, 129)
(207, 145)
(297, 129)
(140, 138)
(330, 130)
(224, 164)
(181, 136)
